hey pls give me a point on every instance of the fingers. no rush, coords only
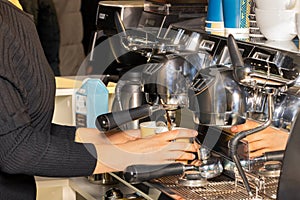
(196, 146)
(186, 157)
(255, 137)
(180, 146)
(257, 145)
(239, 128)
(163, 157)
(161, 148)
(177, 134)
(257, 153)
(196, 162)
(248, 125)
(235, 129)
(180, 156)
(254, 149)
(179, 151)
(266, 134)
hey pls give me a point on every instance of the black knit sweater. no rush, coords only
(29, 143)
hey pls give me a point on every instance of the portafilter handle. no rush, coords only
(270, 156)
(112, 120)
(140, 173)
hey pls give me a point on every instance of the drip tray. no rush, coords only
(220, 189)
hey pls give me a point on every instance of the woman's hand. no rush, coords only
(123, 136)
(269, 139)
(157, 149)
(92, 135)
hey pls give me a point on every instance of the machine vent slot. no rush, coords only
(261, 56)
(207, 45)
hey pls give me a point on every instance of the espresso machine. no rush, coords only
(222, 83)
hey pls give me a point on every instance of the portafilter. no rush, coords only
(165, 82)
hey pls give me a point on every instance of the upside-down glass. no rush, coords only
(298, 27)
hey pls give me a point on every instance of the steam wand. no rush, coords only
(235, 140)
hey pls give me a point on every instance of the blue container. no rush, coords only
(214, 11)
(91, 101)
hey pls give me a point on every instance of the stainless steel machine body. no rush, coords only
(247, 87)
(262, 178)
(271, 64)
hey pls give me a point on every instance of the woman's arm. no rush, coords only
(92, 135)
(157, 149)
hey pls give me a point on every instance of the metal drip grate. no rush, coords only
(271, 186)
(217, 190)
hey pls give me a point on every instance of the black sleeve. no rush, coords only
(66, 132)
(26, 150)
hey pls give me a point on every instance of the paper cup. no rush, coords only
(236, 18)
(151, 128)
(215, 31)
(215, 11)
(214, 24)
(238, 33)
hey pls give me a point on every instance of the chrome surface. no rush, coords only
(270, 169)
(211, 168)
(221, 99)
(167, 78)
(192, 179)
(102, 179)
(128, 95)
(271, 66)
(273, 74)
(258, 73)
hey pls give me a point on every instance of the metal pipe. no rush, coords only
(235, 140)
